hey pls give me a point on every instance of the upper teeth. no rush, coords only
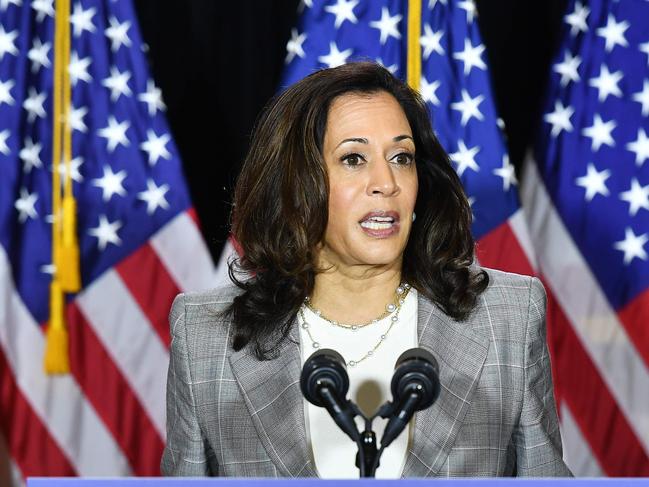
(378, 222)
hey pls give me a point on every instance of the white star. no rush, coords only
(429, 91)
(5, 3)
(34, 104)
(106, 232)
(392, 68)
(115, 133)
(645, 48)
(568, 68)
(430, 41)
(632, 246)
(335, 57)
(432, 3)
(343, 10)
(82, 19)
(38, 55)
(110, 183)
(154, 197)
(25, 205)
(7, 42)
(75, 119)
(614, 33)
(118, 34)
(153, 98)
(606, 83)
(469, 107)
(471, 56)
(469, 6)
(560, 118)
(75, 173)
(156, 147)
(465, 158)
(30, 155)
(117, 83)
(641, 97)
(594, 182)
(43, 8)
(641, 147)
(577, 19)
(4, 148)
(507, 173)
(387, 25)
(78, 69)
(637, 197)
(5, 92)
(294, 46)
(48, 269)
(600, 133)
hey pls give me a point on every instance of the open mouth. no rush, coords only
(378, 223)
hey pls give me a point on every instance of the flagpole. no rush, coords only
(56, 360)
(414, 47)
(70, 280)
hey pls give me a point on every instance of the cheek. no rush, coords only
(341, 201)
(410, 188)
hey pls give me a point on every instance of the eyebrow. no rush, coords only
(362, 140)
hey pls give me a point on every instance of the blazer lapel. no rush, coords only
(271, 390)
(461, 355)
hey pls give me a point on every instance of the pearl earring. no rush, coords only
(414, 216)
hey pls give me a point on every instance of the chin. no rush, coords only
(380, 256)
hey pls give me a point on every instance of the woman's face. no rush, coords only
(369, 154)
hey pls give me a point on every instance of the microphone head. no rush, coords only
(416, 369)
(324, 367)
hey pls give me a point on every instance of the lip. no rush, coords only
(381, 233)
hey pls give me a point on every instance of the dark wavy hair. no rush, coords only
(280, 209)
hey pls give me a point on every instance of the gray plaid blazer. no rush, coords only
(230, 414)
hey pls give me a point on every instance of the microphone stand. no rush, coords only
(369, 455)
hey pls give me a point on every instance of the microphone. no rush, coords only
(415, 386)
(324, 383)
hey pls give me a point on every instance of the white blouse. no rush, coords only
(369, 387)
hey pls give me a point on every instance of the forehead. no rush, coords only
(363, 114)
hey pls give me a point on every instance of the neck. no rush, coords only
(355, 295)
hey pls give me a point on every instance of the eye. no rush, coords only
(352, 159)
(404, 158)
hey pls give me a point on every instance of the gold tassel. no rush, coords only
(69, 256)
(56, 346)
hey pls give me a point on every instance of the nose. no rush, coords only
(382, 180)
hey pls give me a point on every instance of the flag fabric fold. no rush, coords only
(586, 196)
(139, 244)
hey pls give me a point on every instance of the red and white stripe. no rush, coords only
(601, 379)
(107, 417)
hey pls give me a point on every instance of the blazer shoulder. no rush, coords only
(195, 308)
(508, 305)
(512, 288)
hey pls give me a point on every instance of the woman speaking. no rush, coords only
(356, 237)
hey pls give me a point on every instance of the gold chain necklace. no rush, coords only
(396, 308)
(401, 293)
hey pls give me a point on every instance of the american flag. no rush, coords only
(587, 198)
(139, 241)
(455, 85)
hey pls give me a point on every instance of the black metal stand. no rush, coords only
(369, 454)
